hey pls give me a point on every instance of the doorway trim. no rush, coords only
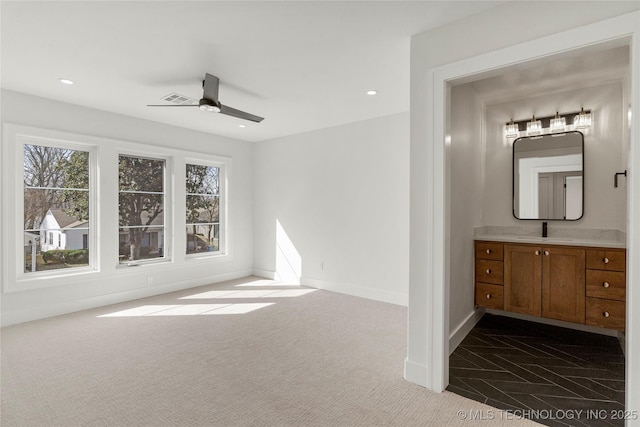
(624, 30)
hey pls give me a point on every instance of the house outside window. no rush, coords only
(204, 203)
(141, 204)
(56, 197)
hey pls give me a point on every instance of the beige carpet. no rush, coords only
(248, 352)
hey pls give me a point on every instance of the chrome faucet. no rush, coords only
(544, 229)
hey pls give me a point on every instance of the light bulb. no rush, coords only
(558, 123)
(511, 129)
(534, 127)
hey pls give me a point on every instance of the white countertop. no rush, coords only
(568, 237)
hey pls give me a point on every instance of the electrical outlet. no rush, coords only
(322, 265)
(149, 280)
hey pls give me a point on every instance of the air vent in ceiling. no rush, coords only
(176, 98)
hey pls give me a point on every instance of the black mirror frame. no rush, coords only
(513, 179)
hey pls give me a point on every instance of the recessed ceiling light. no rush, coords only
(372, 92)
(242, 126)
(66, 81)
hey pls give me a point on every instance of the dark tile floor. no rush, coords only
(555, 376)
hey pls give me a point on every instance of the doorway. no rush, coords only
(428, 365)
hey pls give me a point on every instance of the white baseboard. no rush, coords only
(357, 291)
(463, 329)
(622, 338)
(265, 274)
(51, 310)
(416, 373)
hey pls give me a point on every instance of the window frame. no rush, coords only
(54, 140)
(103, 208)
(169, 165)
(223, 165)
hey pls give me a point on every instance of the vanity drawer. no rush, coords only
(606, 284)
(609, 259)
(489, 250)
(488, 271)
(489, 296)
(605, 313)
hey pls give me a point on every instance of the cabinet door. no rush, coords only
(522, 278)
(563, 284)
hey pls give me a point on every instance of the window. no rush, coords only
(141, 203)
(203, 208)
(56, 201)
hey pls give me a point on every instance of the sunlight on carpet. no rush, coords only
(188, 310)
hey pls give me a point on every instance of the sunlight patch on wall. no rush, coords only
(188, 310)
(288, 259)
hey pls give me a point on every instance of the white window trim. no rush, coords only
(15, 138)
(103, 214)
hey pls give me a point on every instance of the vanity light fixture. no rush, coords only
(512, 129)
(534, 127)
(558, 123)
(582, 120)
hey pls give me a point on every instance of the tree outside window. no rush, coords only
(141, 208)
(55, 204)
(202, 208)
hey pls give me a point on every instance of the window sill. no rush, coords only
(48, 279)
(208, 257)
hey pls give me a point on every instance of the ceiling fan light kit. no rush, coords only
(211, 103)
(208, 105)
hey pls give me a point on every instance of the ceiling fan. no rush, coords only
(210, 102)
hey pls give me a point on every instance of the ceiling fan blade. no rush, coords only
(211, 84)
(239, 114)
(173, 105)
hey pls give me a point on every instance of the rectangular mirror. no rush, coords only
(548, 173)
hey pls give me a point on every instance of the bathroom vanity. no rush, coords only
(554, 279)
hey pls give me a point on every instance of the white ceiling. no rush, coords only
(303, 65)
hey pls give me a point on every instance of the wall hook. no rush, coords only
(615, 178)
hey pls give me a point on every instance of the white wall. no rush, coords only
(480, 34)
(604, 154)
(112, 284)
(335, 204)
(466, 157)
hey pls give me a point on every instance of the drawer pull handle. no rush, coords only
(606, 314)
(605, 260)
(488, 296)
(546, 253)
(488, 251)
(606, 285)
(537, 252)
(488, 271)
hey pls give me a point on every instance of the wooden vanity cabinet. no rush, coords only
(606, 288)
(563, 284)
(573, 284)
(523, 276)
(489, 271)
